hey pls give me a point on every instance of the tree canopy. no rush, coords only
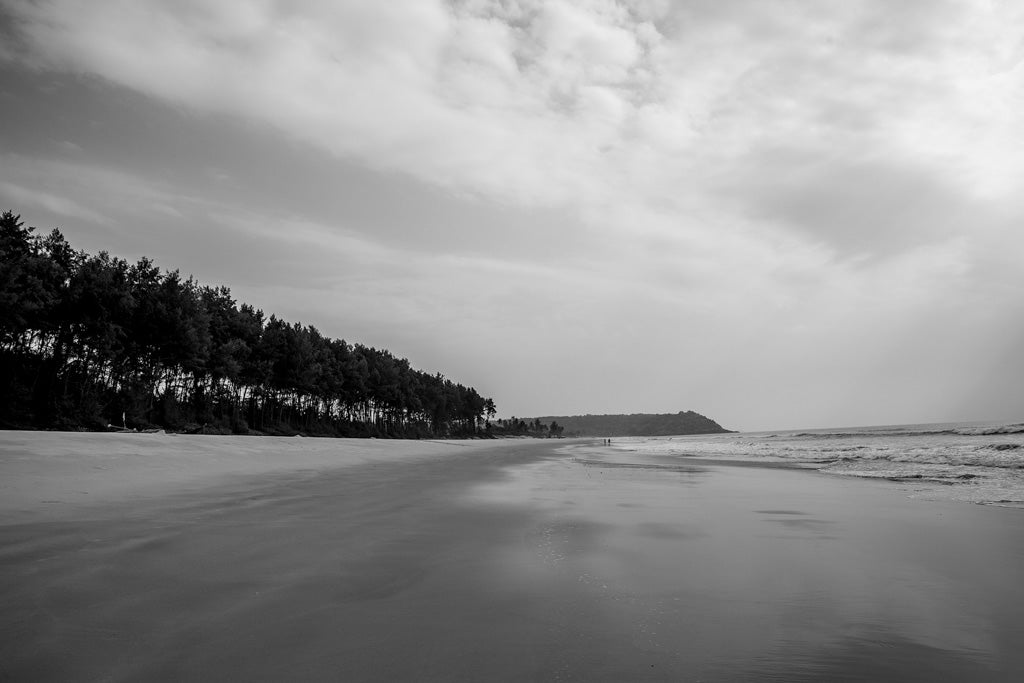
(87, 341)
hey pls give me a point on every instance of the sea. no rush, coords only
(973, 462)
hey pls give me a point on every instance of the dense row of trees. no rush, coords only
(86, 341)
(519, 427)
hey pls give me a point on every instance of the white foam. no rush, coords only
(982, 463)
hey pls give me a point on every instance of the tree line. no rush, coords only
(91, 341)
(515, 426)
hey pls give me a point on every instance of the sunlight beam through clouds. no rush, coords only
(774, 198)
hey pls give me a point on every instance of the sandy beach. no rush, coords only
(161, 557)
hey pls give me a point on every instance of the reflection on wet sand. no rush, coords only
(730, 573)
(509, 562)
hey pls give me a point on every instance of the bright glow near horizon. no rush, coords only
(778, 214)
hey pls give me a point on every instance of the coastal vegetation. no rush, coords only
(519, 427)
(91, 341)
(637, 424)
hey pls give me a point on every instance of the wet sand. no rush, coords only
(518, 560)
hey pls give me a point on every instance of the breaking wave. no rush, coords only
(983, 463)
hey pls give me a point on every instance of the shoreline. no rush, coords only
(515, 561)
(948, 461)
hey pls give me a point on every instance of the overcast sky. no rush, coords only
(779, 214)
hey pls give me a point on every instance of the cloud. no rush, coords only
(551, 102)
(12, 195)
(790, 192)
(854, 205)
(400, 85)
(86, 191)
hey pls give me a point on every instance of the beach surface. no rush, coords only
(162, 557)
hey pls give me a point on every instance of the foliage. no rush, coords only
(88, 340)
(518, 427)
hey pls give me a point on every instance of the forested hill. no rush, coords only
(87, 341)
(637, 424)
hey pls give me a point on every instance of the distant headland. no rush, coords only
(637, 424)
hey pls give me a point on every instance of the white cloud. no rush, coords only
(525, 101)
(541, 88)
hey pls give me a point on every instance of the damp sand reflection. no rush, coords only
(658, 571)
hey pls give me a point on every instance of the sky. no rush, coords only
(779, 214)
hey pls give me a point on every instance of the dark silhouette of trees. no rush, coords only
(89, 341)
(518, 427)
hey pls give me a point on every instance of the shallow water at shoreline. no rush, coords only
(970, 462)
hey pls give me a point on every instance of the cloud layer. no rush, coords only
(782, 213)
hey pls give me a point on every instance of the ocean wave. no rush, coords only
(911, 472)
(914, 431)
(988, 431)
(971, 462)
(1003, 456)
(881, 433)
